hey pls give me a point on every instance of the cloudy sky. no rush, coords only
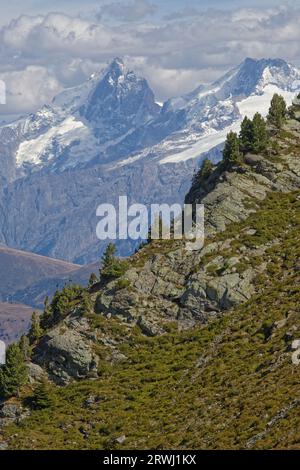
(46, 45)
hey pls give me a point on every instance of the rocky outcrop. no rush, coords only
(213, 294)
(35, 373)
(12, 413)
(65, 353)
(230, 197)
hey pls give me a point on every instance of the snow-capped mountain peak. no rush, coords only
(252, 76)
(85, 122)
(209, 112)
(113, 116)
(115, 70)
(120, 95)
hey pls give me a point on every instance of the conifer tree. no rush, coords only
(246, 135)
(231, 152)
(112, 267)
(277, 111)
(13, 374)
(260, 134)
(35, 331)
(42, 397)
(25, 346)
(47, 315)
(108, 258)
(204, 172)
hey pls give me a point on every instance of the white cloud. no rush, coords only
(175, 56)
(29, 88)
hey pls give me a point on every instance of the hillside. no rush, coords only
(183, 350)
(27, 269)
(35, 293)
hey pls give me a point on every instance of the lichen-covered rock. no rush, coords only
(148, 328)
(66, 354)
(212, 294)
(35, 372)
(12, 413)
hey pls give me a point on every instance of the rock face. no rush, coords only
(218, 293)
(165, 289)
(12, 413)
(66, 354)
(35, 373)
(227, 198)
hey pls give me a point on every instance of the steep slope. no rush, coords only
(210, 337)
(108, 138)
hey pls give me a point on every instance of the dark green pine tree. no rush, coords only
(112, 267)
(108, 260)
(231, 152)
(204, 172)
(42, 397)
(260, 134)
(35, 331)
(13, 374)
(246, 135)
(47, 315)
(25, 346)
(277, 111)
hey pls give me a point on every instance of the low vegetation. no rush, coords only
(227, 384)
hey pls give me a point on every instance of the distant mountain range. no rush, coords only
(27, 278)
(25, 281)
(109, 137)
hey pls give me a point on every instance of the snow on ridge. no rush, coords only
(35, 150)
(261, 103)
(247, 107)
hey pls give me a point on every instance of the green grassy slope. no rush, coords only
(229, 384)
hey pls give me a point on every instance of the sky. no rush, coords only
(46, 46)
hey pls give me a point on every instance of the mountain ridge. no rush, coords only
(21, 269)
(211, 336)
